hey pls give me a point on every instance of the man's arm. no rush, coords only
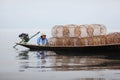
(38, 41)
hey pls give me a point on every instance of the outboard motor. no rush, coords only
(24, 36)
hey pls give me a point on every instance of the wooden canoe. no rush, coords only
(99, 48)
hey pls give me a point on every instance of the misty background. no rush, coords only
(41, 15)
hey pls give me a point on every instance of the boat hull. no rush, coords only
(80, 49)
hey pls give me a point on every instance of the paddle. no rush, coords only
(29, 39)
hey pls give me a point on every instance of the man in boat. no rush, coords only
(42, 40)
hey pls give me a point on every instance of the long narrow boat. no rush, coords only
(99, 48)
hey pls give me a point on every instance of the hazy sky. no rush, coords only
(44, 14)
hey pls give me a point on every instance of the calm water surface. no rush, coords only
(23, 64)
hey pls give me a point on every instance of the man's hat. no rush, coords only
(43, 34)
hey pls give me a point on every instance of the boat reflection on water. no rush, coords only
(50, 61)
(23, 55)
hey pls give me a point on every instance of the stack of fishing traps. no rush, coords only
(82, 35)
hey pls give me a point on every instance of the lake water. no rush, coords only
(23, 64)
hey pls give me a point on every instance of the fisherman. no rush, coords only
(42, 40)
